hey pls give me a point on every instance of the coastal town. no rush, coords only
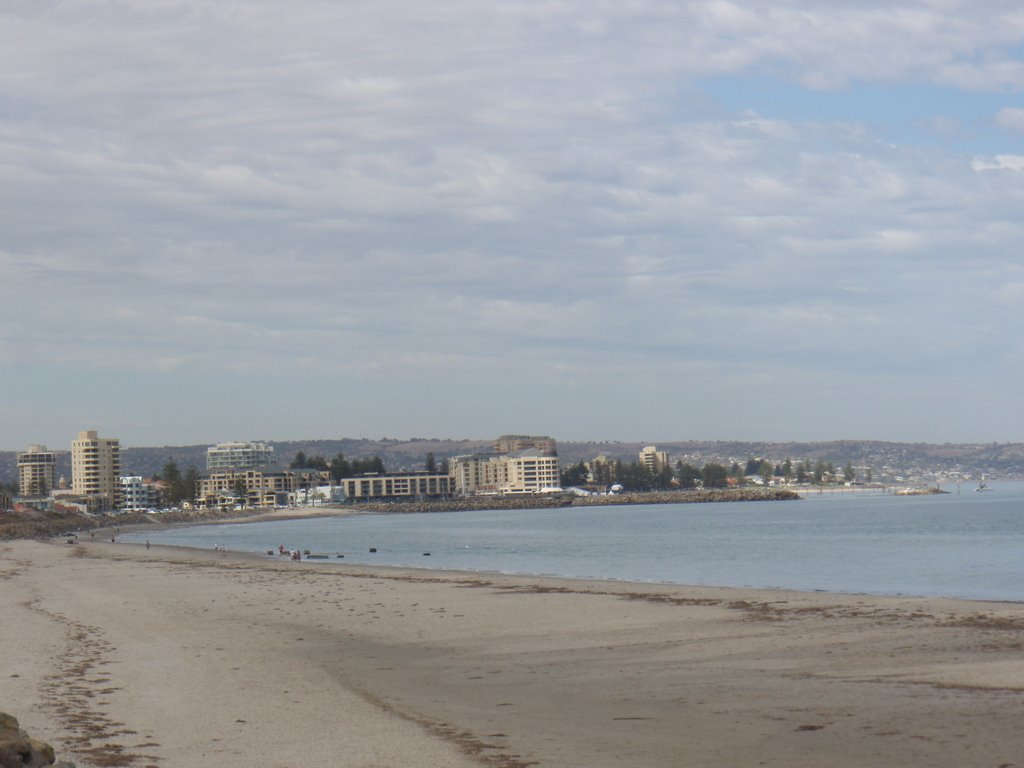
(93, 478)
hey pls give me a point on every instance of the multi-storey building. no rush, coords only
(257, 486)
(653, 459)
(139, 493)
(516, 443)
(96, 469)
(398, 485)
(36, 471)
(239, 455)
(528, 471)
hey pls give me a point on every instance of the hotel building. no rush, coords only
(96, 469)
(36, 471)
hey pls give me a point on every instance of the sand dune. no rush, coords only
(122, 656)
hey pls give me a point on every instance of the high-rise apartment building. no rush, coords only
(36, 471)
(653, 459)
(239, 455)
(96, 469)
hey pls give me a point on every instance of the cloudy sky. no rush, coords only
(642, 220)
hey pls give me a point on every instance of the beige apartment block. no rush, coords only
(398, 485)
(529, 471)
(36, 471)
(653, 459)
(516, 443)
(260, 486)
(96, 469)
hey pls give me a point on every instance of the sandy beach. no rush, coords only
(119, 655)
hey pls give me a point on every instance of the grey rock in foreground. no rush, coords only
(19, 750)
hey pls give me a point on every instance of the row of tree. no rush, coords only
(634, 476)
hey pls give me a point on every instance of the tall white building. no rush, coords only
(239, 455)
(96, 469)
(36, 471)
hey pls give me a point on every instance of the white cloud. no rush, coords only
(384, 186)
(1011, 119)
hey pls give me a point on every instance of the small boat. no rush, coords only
(982, 486)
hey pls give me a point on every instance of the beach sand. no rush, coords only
(118, 655)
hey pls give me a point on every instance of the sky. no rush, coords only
(634, 220)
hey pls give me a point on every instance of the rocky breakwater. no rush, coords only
(550, 500)
(19, 750)
(688, 497)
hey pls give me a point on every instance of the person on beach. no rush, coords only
(147, 543)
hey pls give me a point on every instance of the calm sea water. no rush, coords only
(968, 545)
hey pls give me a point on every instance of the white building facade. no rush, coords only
(239, 455)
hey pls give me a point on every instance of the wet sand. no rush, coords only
(118, 655)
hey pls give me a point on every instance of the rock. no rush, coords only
(18, 750)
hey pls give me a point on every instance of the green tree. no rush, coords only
(299, 461)
(431, 463)
(574, 474)
(242, 490)
(714, 475)
(849, 474)
(190, 483)
(687, 475)
(445, 467)
(340, 467)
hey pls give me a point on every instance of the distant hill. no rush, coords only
(886, 460)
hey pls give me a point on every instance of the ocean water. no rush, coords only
(967, 545)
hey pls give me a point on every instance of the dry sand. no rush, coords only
(122, 656)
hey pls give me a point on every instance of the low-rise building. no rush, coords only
(397, 485)
(516, 443)
(139, 494)
(258, 486)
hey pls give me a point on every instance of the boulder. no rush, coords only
(18, 750)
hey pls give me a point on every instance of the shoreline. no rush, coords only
(177, 657)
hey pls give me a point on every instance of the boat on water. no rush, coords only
(982, 486)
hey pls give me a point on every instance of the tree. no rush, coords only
(574, 474)
(431, 464)
(242, 490)
(849, 474)
(714, 475)
(190, 483)
(687, 475)
(340, 468)
(299, 461)
(445, 468)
